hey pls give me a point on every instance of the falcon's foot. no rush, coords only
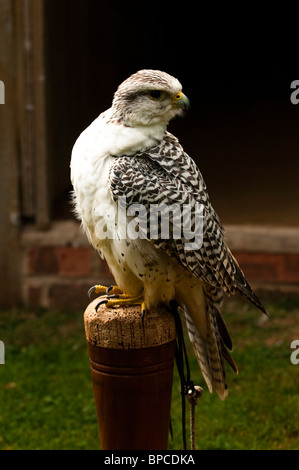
(123, 300)
(115, 297)
(98, 289)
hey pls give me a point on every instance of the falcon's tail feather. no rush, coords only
(208, 333)
(211, 341)
(208, 352)
(229, 359)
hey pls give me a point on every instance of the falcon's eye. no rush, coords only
(156, 94)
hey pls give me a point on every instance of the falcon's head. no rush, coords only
(149, 97)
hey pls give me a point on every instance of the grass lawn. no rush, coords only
(46, 396)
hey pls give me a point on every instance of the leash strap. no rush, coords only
(188, 389)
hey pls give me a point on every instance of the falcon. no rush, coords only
(127, 163)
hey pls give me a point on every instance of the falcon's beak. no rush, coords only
(181, 101)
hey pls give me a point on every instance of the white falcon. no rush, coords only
(126, 163)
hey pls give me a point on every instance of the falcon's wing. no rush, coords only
(165, 174)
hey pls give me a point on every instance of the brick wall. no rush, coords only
(275, 268)
(59, 265)
(269, 256)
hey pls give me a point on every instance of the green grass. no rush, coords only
(45, 386)
(46, 396)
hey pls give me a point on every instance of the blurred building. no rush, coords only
(61, 62)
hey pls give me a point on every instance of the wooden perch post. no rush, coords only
(132, 368)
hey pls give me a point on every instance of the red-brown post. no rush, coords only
(132, 368)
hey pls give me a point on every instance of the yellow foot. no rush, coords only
(115, 296)
(122, 300)
(98, 289)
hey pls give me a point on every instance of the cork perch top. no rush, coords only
(122, 328)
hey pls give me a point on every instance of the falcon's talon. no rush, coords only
(143, 312)
(90, 291)
(115, 290)
(115, 296)
(120, 300)
(99, 289)
(100, 303)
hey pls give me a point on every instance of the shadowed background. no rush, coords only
(61, 61)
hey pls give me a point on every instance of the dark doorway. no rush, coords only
(242, 129)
